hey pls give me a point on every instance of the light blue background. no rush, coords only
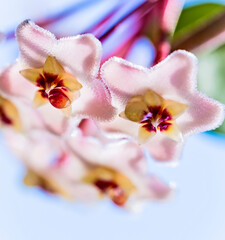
(196, 213)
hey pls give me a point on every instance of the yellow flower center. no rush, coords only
(154, 113)
(111, 183)
(9, 115)
(55, 84)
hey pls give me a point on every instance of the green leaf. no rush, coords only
(212, 76)
(194, 18)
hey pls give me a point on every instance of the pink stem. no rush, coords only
(141, 7)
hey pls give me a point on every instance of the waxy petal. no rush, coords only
(175, 83)
(13, 83)
(160, 190)
(33, 75)
(153, 99)
(35, 44)
(81, 54)
(203, 114)
(136, 108)
(175, 109)
(89, 128)
(164, 149)
(126, 86)
(91, 104)
(40, 98)
(54, 119)
(171, 130)
(69, 81)
(145, 134)
(52, 67)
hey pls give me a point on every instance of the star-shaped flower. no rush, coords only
(87, 166)
(160, 106)
(50, 164)
(116, 168)
(61, 71)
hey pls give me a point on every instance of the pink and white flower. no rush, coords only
(87, 166)
(116, 168)
(160, 106)
(50, 165)
(60, 71)
(18, 114)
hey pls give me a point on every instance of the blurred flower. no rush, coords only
(87, 166)
(155, 98)
(9, 115)
(50, 165)
(116, 168)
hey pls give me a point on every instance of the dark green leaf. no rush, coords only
(195, 20)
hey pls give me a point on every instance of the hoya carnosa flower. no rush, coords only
(9, 114)
(160, 106)
(50, 165)
(116, 168)
(61, 71)
(87, 166)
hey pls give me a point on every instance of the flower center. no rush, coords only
(113, 190)
(4, 118)
(111, 183)
(54, 83)
(9, 115)
(154, 113)
(156, 119)
(54, 90)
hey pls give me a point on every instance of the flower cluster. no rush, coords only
(83, 129)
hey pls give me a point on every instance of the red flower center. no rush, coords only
(115, 192)
(4, 118)
(156, 118)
